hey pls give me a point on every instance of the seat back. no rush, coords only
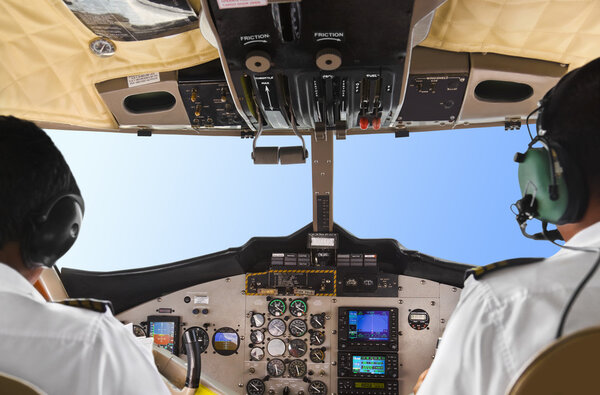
(567, 366)
(15, 386)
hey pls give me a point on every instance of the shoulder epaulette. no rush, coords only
(101, 306)
(481, 271)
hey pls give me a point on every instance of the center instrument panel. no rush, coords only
(298, 329)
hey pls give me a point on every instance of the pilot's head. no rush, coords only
(40, 204)
(571, 117)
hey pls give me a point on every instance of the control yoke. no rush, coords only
(193, 343)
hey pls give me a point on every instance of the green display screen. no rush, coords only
(360, 384)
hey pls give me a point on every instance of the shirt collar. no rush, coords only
(588, 237)
(12, 281)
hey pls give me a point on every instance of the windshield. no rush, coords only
(160, 199)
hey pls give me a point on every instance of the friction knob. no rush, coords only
(258, 61)
(329, 59)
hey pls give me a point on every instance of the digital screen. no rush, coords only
(360, 384)
(364, 364)
(421, 317)
(225, 341)
(368, 325)
(163, 334)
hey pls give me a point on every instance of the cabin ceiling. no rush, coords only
(48, 74)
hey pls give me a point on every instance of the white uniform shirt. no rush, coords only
(504, 319)
(68, 350)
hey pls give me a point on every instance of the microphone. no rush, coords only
(526, 210)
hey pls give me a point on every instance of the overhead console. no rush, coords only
(311, 61)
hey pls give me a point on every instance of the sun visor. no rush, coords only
(557, 31)
(49, 65)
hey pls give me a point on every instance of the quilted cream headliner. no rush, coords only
(562, 31)
(47, 72)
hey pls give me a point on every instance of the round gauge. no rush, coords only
(317, 321)
(276, 327)
(317, 355)
(276, 347)
(297, 348)
(257, 354)
(418, 319)
(317, 388)
(297, 327)
(200, 334)
(298, 308)
(275, 368)
(276, 307)
(102, 47)
(257, 336)
(138, 331)
(255, 387)
(226, 341)
(257, 320)
(297, 368)
(317, 338)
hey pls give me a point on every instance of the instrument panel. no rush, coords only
(302, 344)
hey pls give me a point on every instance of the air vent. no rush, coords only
(502, 91)
(148, 102)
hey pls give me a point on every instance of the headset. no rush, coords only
(553, 188)
(50, 232)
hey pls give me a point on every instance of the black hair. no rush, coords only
(33, 172)
(571, 117)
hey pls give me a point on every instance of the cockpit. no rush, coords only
(320, 311)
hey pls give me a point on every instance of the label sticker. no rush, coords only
(223, 4)
(142, 79)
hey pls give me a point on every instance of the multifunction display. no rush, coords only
(368, 325)
(369, 329)
(165, 331)
(362, 364)
(371, 365)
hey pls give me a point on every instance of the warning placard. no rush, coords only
(223, 4)
(142, 79)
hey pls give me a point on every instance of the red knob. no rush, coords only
(363, 122)
(376, 123)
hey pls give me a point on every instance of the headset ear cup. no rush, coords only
(50, 236)
(576, 186)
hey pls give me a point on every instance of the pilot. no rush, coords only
(58, 348)
(506, 315)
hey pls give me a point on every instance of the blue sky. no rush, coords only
(159, 199)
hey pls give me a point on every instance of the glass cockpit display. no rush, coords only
(368, 364)
(368, 325)
(165, 332)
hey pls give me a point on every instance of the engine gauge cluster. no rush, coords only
(287, 341)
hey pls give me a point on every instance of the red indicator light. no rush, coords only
(363, 122)
(376, 123)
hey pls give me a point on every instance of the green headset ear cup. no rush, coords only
(535, 178)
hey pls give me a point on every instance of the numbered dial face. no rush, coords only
(102, 47)
(317, 321)
(257, 336)
(317, 355)
(276, 307)
(138, 331)
(297, 327)
(298, 308)
(297, 368)
(317, 388)
(257, 320)
(276, 347)
(255, 387)
(297, 348)
(317, 338)
(276, 327)
(275, 368)
(257, 354)
(201, 335)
